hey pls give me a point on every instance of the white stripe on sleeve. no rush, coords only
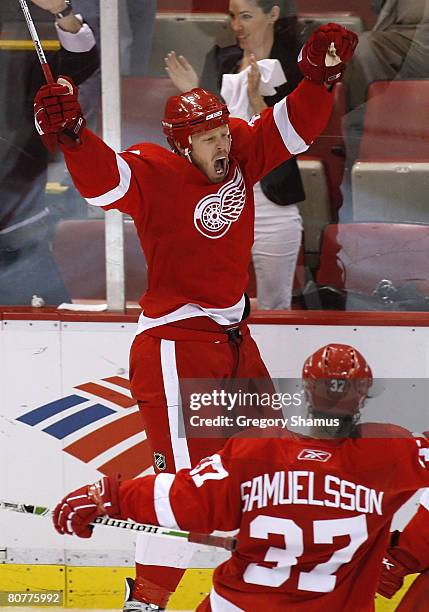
(163, 509)
(118, 192)
(293, 141)
(424, 500)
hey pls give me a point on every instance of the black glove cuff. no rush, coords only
(66, 11)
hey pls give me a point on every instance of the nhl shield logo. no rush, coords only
(160, 461)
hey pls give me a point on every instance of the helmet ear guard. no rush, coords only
(181, 148)
(195, 111)
(336, 380)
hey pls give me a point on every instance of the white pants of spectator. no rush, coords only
(278, 234)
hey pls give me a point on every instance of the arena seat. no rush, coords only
(311, 20)
(390, 179)
(356, 256)
(189, 34)
(316, 209)
(197, 6)
(361, 8)
(322, 169)
(78, 250)
(329, 147)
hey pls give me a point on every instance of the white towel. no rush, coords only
(234, 87)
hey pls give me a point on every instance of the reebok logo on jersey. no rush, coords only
(309, 454)
(253, 120)
(215, 213)
(387, 564)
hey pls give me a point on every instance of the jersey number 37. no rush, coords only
(321, 578)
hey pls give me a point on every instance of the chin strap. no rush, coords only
(187, 152)
(182, 152)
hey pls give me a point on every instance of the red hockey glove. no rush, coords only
(324, 56)
(57, 114)
(397, 563)
(79, 508)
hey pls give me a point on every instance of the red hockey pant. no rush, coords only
(192, 349)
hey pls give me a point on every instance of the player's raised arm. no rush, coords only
(322, 61)
(293, 123)
(103, 177)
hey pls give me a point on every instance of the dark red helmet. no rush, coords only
(336, 379)
(192, 112)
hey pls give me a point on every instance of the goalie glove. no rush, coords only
(397, 563)
(324, 56)
(77, 510)
(57, 114)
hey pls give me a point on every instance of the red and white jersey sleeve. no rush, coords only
(282, 131)
(413, 472)
(124, 181)
(198, 500)
(415, 536)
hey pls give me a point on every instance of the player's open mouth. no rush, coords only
(221, 165)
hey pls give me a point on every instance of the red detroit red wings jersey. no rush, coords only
(197, 235)
(313, 515)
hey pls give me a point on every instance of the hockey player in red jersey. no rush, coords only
(313, 513)
(194, 212)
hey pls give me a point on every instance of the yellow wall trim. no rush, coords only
(103, 587)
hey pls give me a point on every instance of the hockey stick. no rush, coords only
(228, 543)
(40, 53)
(39, 49)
